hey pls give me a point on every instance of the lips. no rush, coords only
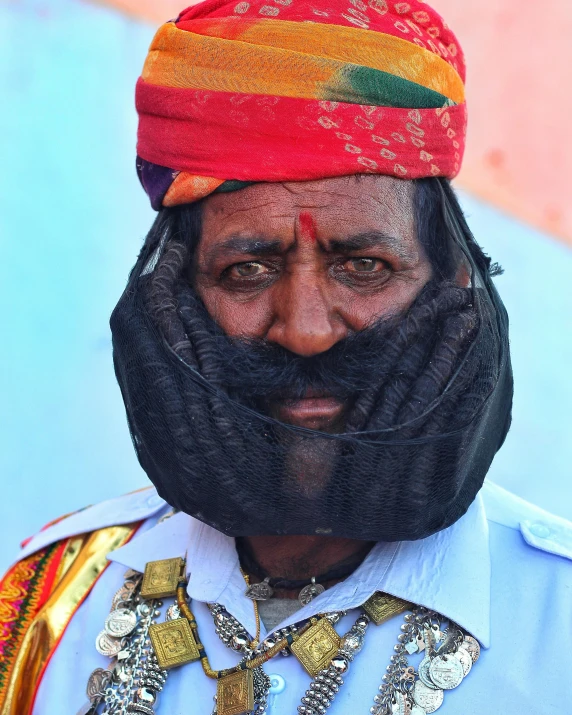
(315, 410)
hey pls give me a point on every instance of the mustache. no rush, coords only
(254, 369)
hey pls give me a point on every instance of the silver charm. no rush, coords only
(412, 646)
(260, 591)
(472, 647)
(120, 622)
(107, 645)
(446, 672)
(428, 699)
(172, 613)
(466, 661)
(123, 595)
(418, 710)
(309, 592)
(401, 705)
(97, 683)
(424, 675)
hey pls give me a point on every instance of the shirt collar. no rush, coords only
(448, 572)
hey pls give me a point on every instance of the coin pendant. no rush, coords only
(446, 672)
(418, 710)
(471, 645)
(97, 683)
(123, 595)
(120, 622)
(260, 591)
(424, 675)
(465, 660)
(107, 645)
(309, 593)
(428, 699)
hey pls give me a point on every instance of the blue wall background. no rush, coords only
(72, 219)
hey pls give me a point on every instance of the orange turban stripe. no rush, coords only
(235, 93)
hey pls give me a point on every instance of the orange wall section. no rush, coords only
(519, 88)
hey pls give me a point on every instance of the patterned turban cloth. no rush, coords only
(236, 92)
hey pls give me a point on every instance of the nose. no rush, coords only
(304, 321)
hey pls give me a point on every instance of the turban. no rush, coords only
(234, 92)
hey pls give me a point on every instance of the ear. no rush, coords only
(463, 275)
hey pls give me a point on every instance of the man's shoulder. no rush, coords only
(126, 509)
(540, 531)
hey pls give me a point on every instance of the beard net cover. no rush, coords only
(426, 420)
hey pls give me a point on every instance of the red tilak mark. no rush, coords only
(307, 227)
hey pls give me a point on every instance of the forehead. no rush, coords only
(336, 205)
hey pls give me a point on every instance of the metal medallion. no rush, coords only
(471, 645)
(317, 646)
(260, 591)
(97, 683)
(123, 595)
(107, 645)
(466, 661)
(446, 672)
(424, 675)
(381, 607)
(428, 699)
(309, 592)
(120, 622)
(235, 693)
(418, 710)
(174, 643)
(161, 578)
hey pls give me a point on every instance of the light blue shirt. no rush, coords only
(502, 572)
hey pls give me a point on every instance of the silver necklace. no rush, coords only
(133, 679)
(131, 683)
(449, 657)
(325, 684)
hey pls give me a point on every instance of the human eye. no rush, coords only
(248, 275)
(251, 269)
(364, 265)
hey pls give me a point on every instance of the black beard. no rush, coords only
(430, 391)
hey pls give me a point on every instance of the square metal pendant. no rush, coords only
(173, 643)
(317, 646)
(161, 578)
(381, 607)
(235, 693)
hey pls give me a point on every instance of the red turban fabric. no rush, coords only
(234, 92)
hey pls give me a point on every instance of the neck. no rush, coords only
(301, 557)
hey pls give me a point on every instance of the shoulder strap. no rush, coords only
(38, 597)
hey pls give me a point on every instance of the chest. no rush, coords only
(510, 675)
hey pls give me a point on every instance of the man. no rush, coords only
(315, 367)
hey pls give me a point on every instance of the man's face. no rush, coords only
(304, 265)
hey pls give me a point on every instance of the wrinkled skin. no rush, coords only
(304, 265)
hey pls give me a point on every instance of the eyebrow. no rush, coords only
(369, 239)
(258, 246)
(245, 246)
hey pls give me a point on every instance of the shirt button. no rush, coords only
(540, 530)
(277, 684)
